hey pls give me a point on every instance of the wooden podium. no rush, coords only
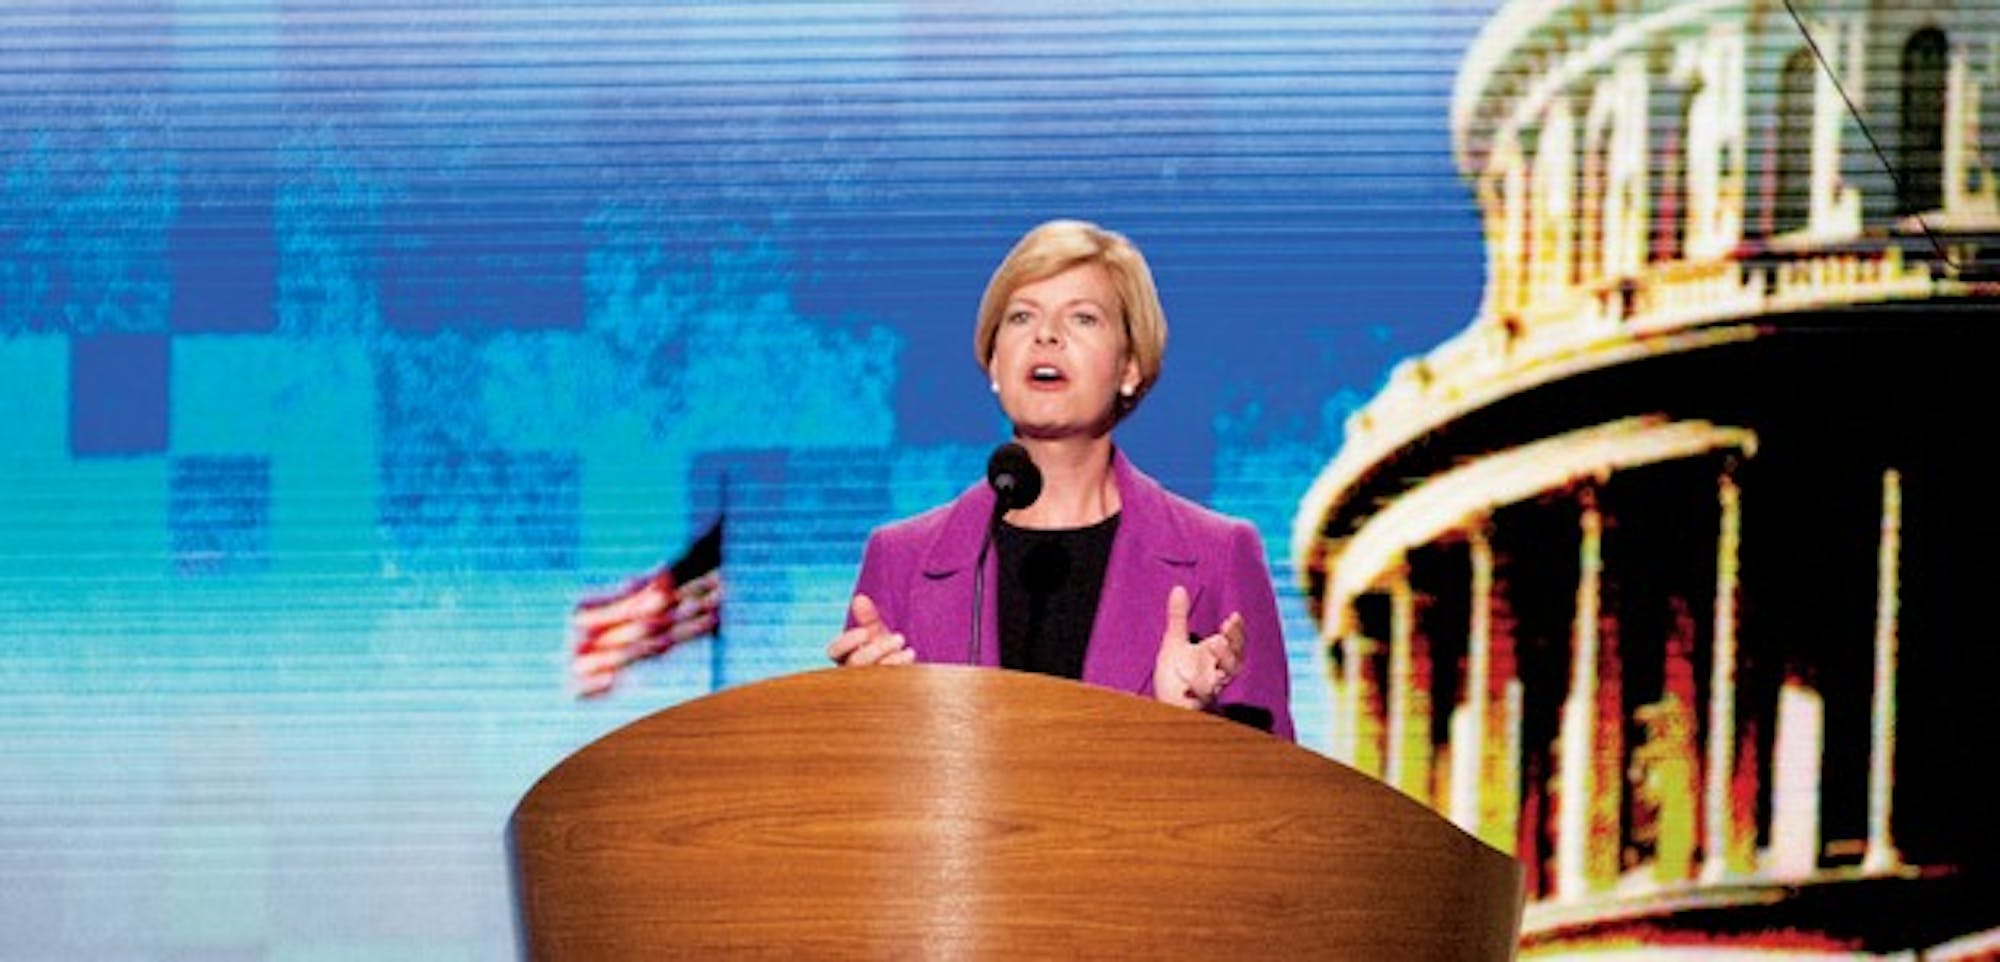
(953, 812)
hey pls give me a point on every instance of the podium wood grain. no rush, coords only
(952, 812)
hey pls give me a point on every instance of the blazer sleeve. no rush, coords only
(884, 577)
(1261, 694)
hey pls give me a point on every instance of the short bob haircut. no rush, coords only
(1057, 246)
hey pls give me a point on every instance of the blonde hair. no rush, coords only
(1057, 246)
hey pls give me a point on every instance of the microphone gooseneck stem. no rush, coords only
(1011, 473)
(979, 579)
(978, 597)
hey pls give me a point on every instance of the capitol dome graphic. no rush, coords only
(1673, 573)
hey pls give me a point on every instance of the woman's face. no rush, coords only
(1060, 358)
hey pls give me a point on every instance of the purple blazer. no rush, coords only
(918, 571)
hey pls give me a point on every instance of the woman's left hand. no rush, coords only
(1192, 673)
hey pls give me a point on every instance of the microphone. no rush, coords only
(1014, 477)
(1016, 483)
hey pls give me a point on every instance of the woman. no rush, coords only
(1104, 575)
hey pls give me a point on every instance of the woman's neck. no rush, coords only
(1078, 488)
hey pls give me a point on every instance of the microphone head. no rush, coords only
(1013, 475)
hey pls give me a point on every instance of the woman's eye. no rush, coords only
(1086, 319)
(1017, 317)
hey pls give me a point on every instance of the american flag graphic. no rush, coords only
(646, 616)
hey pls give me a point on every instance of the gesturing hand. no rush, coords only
(1192, 675)
(869, 642)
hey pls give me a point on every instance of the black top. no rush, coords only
(1050, 581)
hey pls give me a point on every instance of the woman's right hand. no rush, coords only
(869, 642)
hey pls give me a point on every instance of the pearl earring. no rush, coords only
(996, 387)
(1127, 390)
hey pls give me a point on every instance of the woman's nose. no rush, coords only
(1047, 333)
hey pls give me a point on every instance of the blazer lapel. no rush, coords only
(1149, 556)
(941, 599)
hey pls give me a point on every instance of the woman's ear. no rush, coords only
(1128, 385)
